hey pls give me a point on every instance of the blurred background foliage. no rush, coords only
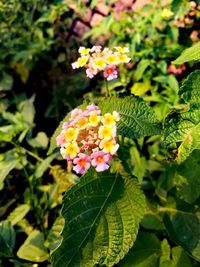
(38, 42)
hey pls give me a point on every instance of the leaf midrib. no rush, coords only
(96, 218)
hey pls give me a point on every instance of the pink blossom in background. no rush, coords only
(174, 70)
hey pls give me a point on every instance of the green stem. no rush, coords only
(107, 89)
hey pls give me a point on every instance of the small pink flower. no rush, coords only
(60, 139)
(92, 110)
(96, 48)
(74, 65)
(65, 126)
(110, 72)
(174, 70)
(75, 113)
(100, 161)
(82, 163)
(90, 72)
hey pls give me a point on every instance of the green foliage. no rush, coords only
(184, 229)
(137, 119)
(18, 214)
(7, 239)
(102, 214)
(183, 126)
(33, 248)
(106, 221)
(187, 178)
(180, 7)
(189, 54)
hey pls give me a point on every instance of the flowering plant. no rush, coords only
(89, 139)
(97, 59)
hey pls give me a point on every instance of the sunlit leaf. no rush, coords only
(189, 54)
(33, 248)
(102, 214)
(18, 214)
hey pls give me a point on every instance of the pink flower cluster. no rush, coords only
(89, 139)
(96, 59)
(174, 70)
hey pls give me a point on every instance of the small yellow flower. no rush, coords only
(166, 13)
(109, 146)
(83, 51)
(81, 61)
(111, 59)
(71, 134)
(94, 120)
(123, 59)
(99, 63)
(72, 149)
(110, 119)
(107, 132)
(82, 123)
(122, 50)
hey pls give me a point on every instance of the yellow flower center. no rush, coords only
(111, 59)
(82, 61)
(94, 119)
(99, 63)
(109, 119)
(72, 149)
(82, 123)
(71, 134)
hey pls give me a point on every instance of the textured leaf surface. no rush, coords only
(184, 127)
(184, 229)
(137, 119)
(102, 214)
(189, 54)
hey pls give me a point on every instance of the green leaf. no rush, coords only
(184, 230)
(145, 252)
(41, 140)
(141, 67)
(33, 248)
(102, 214)
(44, 166)
(180, 7)
(189, 54)
(28, 110)
(6, 82)
(58, 130)
(7, 239)
(7, 164)
(137, 119)
(175, 257)
(18, 214)
(54, 239)
(140, 88)
(183, 127)
(187, 178)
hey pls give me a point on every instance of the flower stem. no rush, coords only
(107, 89)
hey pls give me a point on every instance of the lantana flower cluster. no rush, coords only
(97, 59)
(89, 139)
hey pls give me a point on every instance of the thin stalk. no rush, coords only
(107, 89)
